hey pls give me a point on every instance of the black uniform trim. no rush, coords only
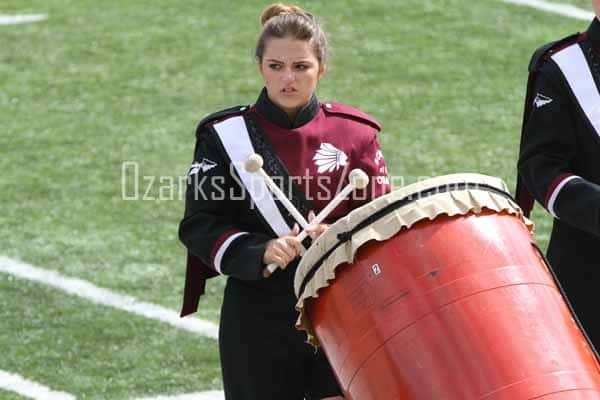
(593, 60)
(594, 34)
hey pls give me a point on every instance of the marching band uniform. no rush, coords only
(559, 163)
(230, 216)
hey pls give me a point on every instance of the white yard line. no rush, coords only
(557, 8)
(17, 384)
(105, 297)
(213, 395)
(21, 19)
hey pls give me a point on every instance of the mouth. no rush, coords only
(289, 90)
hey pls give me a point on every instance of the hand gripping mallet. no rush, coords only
(358, 180)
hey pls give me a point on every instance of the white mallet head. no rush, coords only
(253, 163)
(358, 179)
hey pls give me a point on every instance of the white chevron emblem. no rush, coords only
(541, 100)
(329, 158)
(204, 165)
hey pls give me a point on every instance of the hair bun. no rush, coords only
(278, 9)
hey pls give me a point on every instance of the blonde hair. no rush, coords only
(281, 21)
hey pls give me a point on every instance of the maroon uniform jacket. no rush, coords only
(225, 229)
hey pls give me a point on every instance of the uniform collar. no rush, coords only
(276, 115)
(594, 33)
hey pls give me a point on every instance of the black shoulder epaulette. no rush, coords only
(220, 115)
(546, 51)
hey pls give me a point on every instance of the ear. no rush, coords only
(322, 70)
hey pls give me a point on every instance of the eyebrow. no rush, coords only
(283, 62)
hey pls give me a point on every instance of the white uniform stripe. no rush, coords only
(105, 297)
(32, 390)
(221, 251)
(576, 71)
(555, 193)
(236, 140)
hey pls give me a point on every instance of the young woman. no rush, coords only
(233, 226)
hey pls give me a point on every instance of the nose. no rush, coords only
(287, 76)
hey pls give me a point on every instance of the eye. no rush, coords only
(275, 66)
(301, 67)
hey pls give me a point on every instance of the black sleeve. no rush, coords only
(548, 150)
(209, 228)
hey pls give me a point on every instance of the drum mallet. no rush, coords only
(358, 180)
(254, 164)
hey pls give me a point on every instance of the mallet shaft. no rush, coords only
(284, 200)
(317, 220)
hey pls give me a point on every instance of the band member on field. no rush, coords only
(559, 163)
(233, 226)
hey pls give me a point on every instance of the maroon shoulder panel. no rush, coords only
(351, 112)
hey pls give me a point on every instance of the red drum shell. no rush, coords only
(456, 308)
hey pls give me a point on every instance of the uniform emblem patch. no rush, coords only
(378, 157)
(329, 158)
(204, 165)
(541, 100)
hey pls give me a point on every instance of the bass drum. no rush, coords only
(438, 291)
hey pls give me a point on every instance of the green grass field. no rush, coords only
(102, 83)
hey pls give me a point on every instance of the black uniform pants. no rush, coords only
(263, 357)
(574, 263)
(582, 291)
